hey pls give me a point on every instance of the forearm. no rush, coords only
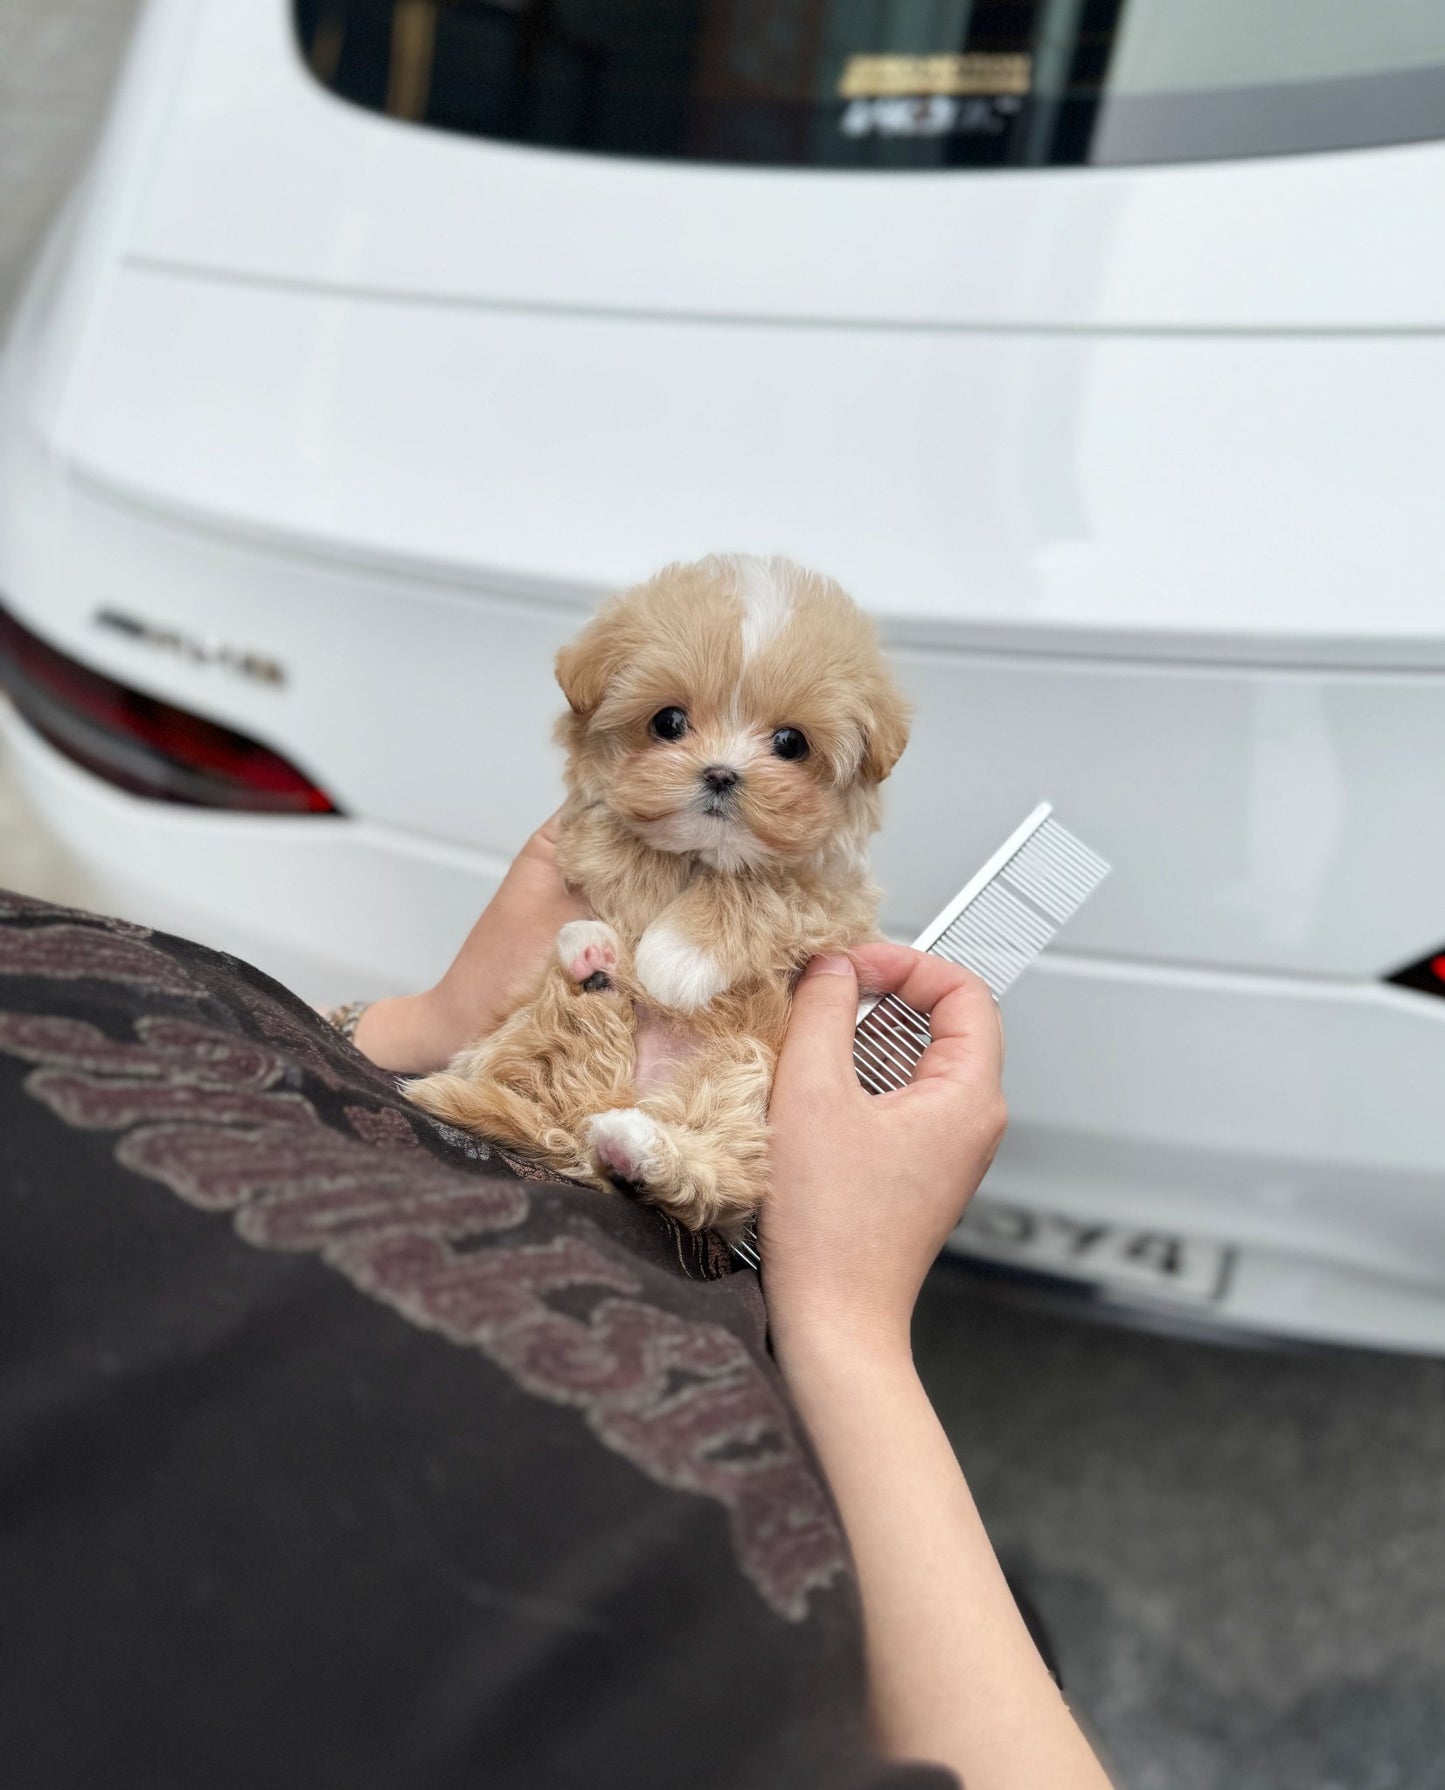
(954, 1676)
(417, 1034)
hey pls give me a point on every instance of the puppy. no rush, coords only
(729, 725)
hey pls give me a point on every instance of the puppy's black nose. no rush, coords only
(719, 777)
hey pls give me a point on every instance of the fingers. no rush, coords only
(962, 1013)
(817, 1054)
(534, 880)
(544, 840)
(914, 976)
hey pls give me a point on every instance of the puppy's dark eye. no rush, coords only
(668, 724)
(789, 743)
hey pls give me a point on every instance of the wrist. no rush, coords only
(824, 1350)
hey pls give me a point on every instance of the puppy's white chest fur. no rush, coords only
(675, 972)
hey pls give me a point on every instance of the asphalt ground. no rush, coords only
(1240, 1553)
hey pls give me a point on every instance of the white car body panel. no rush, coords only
(1031, 504)
(1138, 468)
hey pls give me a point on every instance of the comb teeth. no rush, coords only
(1055, 871)
(997, 936)
(1039, 878)
(1003, 929)
(745, 1248)
(887, 1045)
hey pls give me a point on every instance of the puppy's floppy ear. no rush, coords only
(586, 665)
(886, 722)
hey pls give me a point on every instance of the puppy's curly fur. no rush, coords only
(729, 725)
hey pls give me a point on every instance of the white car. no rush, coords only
(1097, 349)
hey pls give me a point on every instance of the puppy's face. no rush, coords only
(737, 708)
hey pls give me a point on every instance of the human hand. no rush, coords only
(866, 1187)
(494, 970)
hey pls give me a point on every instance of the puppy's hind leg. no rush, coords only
(492, 1109)
(532, 1084)
(697, 1148)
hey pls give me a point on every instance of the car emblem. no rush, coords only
(261, 668)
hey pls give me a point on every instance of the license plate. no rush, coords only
(1162, 1263)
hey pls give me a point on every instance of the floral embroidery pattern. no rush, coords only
(218, 1119)
(74, 953)
(682, 1400)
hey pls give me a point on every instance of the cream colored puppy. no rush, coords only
(730, 723)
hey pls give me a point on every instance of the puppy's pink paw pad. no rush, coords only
(624, 1141)
(587, 949)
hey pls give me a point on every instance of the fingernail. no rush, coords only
(831, 963)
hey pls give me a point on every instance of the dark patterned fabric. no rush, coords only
(334, 1451)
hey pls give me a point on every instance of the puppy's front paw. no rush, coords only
(587, 950)
(625, 1142)
(675, 972)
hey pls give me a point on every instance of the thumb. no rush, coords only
(817, 1053)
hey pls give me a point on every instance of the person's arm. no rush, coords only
(496, 966)
(865, 1188)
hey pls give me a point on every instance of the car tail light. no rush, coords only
(1425, 977)
(141, 744)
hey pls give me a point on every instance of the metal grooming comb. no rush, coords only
(995, 926)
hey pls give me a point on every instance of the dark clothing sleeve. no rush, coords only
(333, 1451)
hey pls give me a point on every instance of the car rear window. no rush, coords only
(912, 84)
